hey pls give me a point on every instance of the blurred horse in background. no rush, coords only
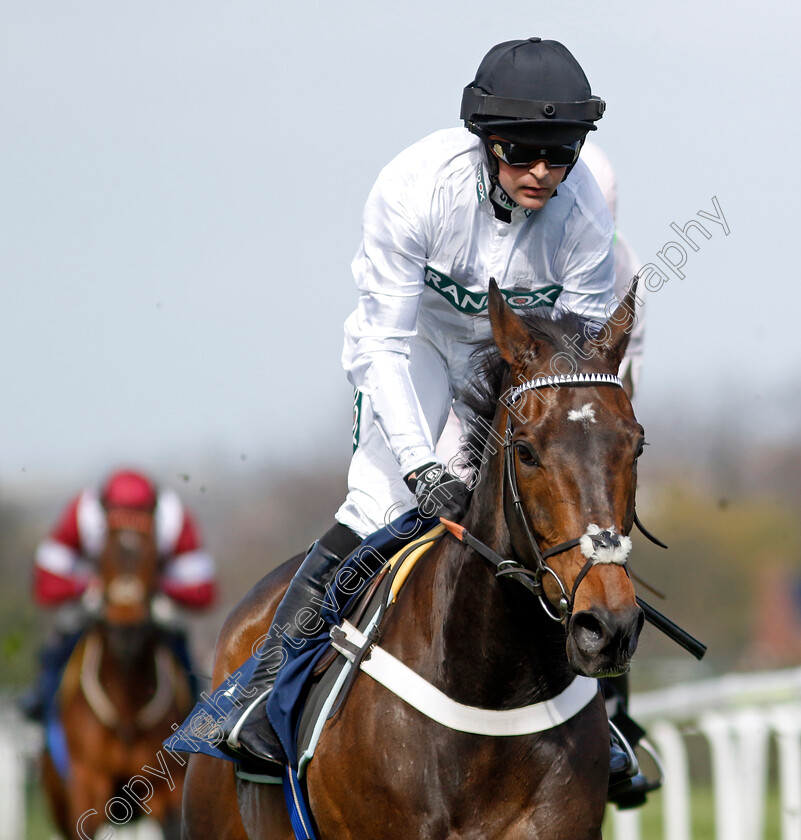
(121, 692)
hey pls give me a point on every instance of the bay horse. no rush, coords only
(555, 463)
(121, 692)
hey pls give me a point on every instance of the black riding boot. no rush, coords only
(247, 731)
(628, 785)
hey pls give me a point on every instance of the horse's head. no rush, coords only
(129, 567)
(570, 473)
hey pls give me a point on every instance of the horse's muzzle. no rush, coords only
(601, 642)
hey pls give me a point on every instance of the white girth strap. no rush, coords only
(417, 692)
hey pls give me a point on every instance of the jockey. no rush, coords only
(505, 196)
(627, 265)
(65, 572)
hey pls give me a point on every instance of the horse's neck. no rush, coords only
(132, 672)
(494, 645)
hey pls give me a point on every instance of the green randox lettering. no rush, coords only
(357, 418)
(544, 296)
(450, 290)
(481, 187)
(473, 302)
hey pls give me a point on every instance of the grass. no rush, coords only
(38, 825)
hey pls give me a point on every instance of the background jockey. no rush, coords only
(504, 196)
(65, 572)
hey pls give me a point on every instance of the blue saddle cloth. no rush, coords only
(200, 732)
(56, 740)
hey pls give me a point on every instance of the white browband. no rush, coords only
(564, 379)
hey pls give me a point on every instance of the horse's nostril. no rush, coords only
(588, 632)
(598, 632)
(634, 637)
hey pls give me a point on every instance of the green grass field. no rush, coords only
(38, 825)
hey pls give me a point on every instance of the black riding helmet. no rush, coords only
(531, 92)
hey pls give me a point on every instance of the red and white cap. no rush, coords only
(128, 489)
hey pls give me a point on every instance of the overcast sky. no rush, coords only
(181, 186)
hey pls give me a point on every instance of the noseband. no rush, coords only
(598, 546)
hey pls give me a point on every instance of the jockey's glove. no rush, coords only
(438, 493)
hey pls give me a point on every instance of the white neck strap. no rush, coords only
(417, 692)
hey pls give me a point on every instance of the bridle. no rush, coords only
(597, 545)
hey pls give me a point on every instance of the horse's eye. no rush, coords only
(640, 449)
(526, 454)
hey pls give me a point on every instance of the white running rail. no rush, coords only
(740, 717)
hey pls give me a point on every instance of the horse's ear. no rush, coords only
(508, 330)
(617, 330)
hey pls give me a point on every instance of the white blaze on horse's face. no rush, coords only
(126, 590)
(584, 415)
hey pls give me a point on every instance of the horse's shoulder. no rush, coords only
(250, 618)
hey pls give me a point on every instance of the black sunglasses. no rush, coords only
(522, 154)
